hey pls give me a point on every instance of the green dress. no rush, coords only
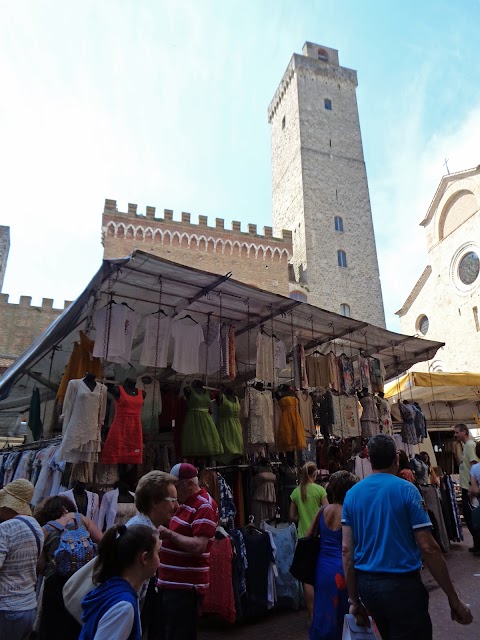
(229, 427)
(199, 433)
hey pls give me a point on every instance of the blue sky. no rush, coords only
(165, 104)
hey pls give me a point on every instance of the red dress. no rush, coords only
(124, 442)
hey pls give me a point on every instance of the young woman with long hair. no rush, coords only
(307, 499)
(126, 558)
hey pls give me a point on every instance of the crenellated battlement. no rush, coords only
(132, 219)
(25, 302)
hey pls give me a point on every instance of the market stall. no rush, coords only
(156, 363)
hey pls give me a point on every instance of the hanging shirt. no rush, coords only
(110, 328)
(210, 354)
(265, 359)
(155, 350)
(188, 336)
(280, 355)
(131, 323)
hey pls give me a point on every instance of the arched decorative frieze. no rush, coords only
(130, 232)
(111, 230)
(148, 235)
(139, 234)
(158, 237)
(121, 231)
(175, 239)
(227, 248)
(260, 252)
(211, 245)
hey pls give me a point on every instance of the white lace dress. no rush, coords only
(83, 416)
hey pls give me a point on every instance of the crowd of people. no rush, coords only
(147, 578)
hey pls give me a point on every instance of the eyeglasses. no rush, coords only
(171, 499)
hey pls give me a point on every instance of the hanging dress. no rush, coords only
(83, 416)
(291, 434)
(124, 442)
(199, 433)
(229, 427)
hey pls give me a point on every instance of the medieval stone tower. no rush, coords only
(320, 188)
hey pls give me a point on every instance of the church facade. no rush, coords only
(444, 305)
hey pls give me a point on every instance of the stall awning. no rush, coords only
(435, 387)
(137, 280)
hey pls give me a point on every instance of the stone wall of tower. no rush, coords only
(321, 174)
(22, 323)
(4, 250)
(257, 259)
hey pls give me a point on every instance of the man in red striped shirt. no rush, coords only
(184, 572)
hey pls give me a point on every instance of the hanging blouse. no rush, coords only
(334, 373)
(210, 354)
(306, 412)
(317, 370)
(409, 435)
(156, 340)
(346, 423)
(188, 336)
(257, 407)
(362, 377)
(83, 416)
(280, 355)
(385, 416)
(376, 375)
(369, 421)
(265, 362)
(345, 367)
(131, 323)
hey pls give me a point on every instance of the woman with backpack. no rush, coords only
(126, 558)
(69, 543)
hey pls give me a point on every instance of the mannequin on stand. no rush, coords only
(86, 502)
(118, 505)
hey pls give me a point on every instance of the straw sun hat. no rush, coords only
(17, 496)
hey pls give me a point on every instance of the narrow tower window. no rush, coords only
(342, 258)
(283, 122)
(338, 223)
(345, 310)
(322, 55)
(328, 104)
(475, 317)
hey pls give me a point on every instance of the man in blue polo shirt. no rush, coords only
(386, 530)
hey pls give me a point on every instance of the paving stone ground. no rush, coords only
(288, 625)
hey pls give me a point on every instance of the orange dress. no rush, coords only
(291, 434)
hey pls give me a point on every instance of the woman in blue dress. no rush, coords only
(331, 596)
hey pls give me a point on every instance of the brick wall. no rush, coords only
(22, 323)
(256, 259)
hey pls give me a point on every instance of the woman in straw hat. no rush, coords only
(21, 541)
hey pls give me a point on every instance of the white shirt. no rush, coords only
(18, 564)
(188, 337)
(156, 323)
(132, 320)
(116, 316)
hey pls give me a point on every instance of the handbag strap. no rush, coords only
(30, 526)
(316, 523)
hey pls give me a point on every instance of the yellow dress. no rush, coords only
(291, 434)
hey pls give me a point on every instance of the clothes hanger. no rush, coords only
(250, 527)
(188, 317)
(159, 311)
(128, 306)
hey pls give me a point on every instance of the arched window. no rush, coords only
(338, 223)
(345, 310)
(298, 295)
(342, 258)
(328, 104)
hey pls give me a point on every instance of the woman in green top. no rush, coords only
(307, 499)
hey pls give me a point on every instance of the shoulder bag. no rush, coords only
(304, 562)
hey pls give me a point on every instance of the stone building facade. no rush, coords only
(4, 250)
(21, 324)
(444, 305)
(319, 185)
(256, 259)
